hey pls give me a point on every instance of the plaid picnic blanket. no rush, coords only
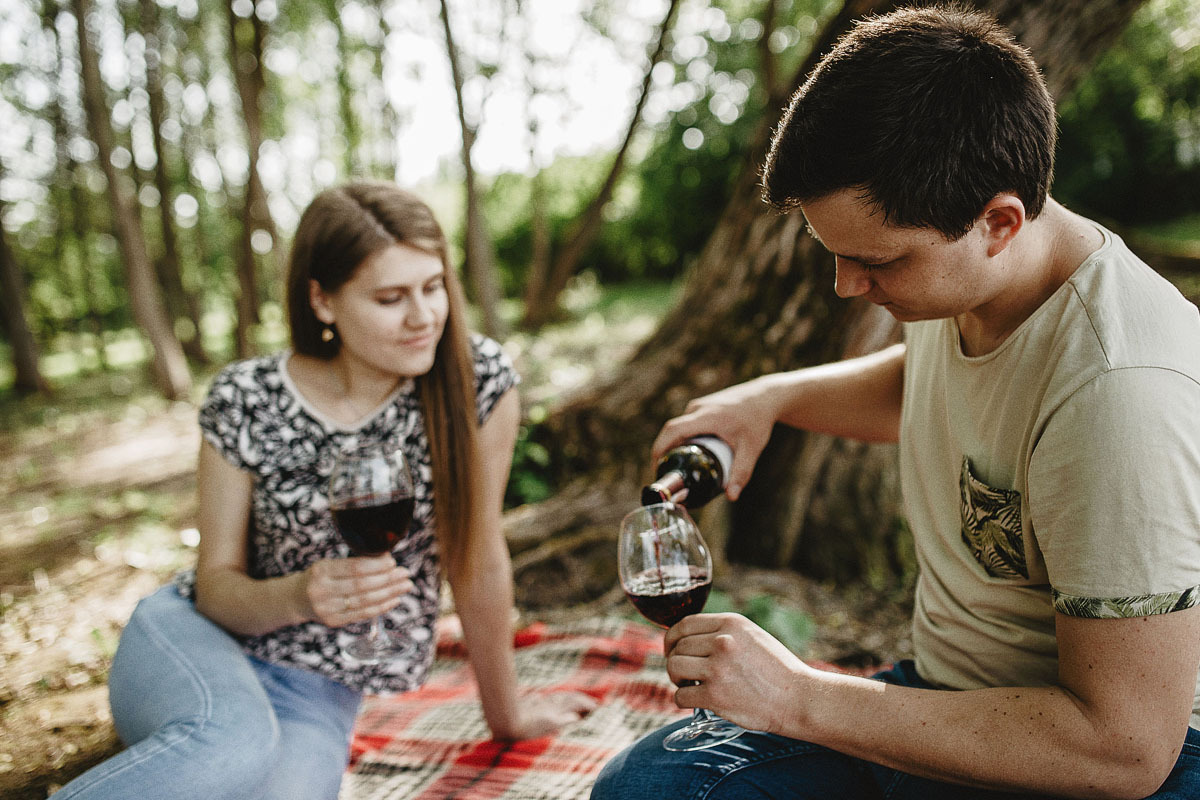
(433, 742)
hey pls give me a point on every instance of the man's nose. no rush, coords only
(850, 279)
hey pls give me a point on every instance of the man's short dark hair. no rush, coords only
(929, 112)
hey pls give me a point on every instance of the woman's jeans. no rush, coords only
(761, 765)
(204, 720)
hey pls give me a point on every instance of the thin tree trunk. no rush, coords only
(542, 294)
(246, 55)
(169, 365)
(760, 300)
(182, 303)
(386, 162)
(351, 129)
(480, 251)
(28, 376)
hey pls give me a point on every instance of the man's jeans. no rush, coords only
(204, 720)
(762, 765)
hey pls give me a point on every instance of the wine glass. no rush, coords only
(371, 499)
(666, 572)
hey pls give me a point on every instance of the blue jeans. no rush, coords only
(201, 719)
(762, 765)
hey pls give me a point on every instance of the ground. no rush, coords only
(97, 508)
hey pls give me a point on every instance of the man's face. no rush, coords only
(915, 273)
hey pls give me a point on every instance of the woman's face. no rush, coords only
(391, 313)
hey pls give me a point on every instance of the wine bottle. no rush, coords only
(691, 474)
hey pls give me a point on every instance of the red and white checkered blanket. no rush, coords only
(432, 744)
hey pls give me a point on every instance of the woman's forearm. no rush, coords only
(247, 606)
(484, 603)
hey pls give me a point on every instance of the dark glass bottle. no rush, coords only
(691, 474)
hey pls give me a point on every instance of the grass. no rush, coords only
(1182, 231)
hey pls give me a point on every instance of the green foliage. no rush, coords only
(1129, 147)
(791, 626)
(681, 170)
(531, 480)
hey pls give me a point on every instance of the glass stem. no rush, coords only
(373, 633)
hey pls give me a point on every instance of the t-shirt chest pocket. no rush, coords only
(991, 527)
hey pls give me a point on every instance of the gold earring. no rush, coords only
(327, 333)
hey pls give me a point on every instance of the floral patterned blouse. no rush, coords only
(258, 420)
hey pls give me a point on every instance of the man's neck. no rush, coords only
(1040, 260)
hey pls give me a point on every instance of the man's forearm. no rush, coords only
(1031, 739)
(858, 398)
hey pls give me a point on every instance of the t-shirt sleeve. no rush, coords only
(494, 375)
(225, 418)
(1114, 494)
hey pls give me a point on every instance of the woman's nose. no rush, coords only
(420, 312)
(850, 279)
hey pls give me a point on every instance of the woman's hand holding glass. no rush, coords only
(342, 591)
(371, 498)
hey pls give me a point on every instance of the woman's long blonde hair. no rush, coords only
(340, 228)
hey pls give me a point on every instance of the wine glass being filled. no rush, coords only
(666, 572)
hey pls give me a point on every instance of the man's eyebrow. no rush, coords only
(859, 259)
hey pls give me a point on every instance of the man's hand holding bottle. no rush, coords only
(742, 416)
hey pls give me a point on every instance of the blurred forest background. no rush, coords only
(593, 164)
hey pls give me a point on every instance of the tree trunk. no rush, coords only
(761, 299)
(386, 161)
(545, 286)
(28, 379)
(182, 303)
(169, 365)
(246, 56)
(479, 248)
(351, 130)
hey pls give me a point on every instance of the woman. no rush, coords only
(231, 683)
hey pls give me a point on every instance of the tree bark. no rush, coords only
(546, 286)
(760, 299)
(169, 365)
(246, 57)
(479, 249)
(351, 129)
(182, 303)
(28, 376)
(386, 162)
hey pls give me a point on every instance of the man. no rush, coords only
(1047, 405)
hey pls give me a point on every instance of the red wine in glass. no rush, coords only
(371, 500)
(372, 530)
(666, 572)
(667, 604)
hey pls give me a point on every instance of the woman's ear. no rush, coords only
(319, 300)
(1002, 218)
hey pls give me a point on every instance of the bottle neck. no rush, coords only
(667, 488)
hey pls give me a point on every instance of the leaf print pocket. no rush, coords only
(991, 526)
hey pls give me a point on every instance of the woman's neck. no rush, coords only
(342, 388)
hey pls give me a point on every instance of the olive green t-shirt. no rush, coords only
(1060, 472)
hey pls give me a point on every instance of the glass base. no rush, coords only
(368, 651)
(701, 734)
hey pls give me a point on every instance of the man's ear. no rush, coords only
(1002, 218)
(320, 303)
